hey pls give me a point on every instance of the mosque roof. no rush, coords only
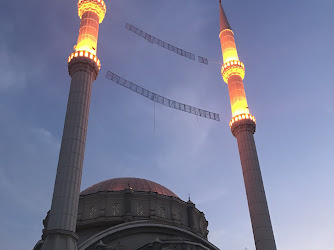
(136, 184)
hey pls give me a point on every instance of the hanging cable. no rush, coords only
(160, 99)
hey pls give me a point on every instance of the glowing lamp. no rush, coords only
(91, 13)
(229, 49)
(96, 6)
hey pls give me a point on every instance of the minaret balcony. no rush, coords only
(232, 68)
(96, 6)
(85, 55)
(242, 117)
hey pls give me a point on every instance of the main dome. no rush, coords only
(136, 184)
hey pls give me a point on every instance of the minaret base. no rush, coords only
(60, 240)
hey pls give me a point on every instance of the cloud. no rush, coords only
(45, 136)
(19, 64)
(10, 71)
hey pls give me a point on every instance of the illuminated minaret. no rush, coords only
(243, 127)
(83, 67)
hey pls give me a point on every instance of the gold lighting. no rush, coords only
(96, 6)
(242, 117)
(233, 72)
(239, 106)
(233, 68)
(85, 54)
(229, 50)
(91, 13)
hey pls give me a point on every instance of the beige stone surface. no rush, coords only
(64, 209)
(257, 202)
(68, 180)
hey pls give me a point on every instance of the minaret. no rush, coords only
(243, 127)
(83, 67)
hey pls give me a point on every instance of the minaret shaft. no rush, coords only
(88, 32)
(229, 49)
(69, 171)
(237, 95)
(64, 209)
(243, 127)
(257, 202)
(83, 66)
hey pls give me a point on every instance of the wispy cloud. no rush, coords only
(10, 70)
(45, 136)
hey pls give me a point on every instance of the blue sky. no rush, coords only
(287, 49)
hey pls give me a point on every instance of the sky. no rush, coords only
(287, 49)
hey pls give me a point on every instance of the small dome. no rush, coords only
(137, 184)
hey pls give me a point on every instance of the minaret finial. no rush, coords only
(224, 24)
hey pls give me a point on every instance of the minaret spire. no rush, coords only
(224, 24)
(243, 126)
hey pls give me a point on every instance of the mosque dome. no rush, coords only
(133, 213)
(136, 184)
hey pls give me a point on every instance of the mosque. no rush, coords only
(133, 213)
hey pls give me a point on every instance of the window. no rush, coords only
(115, 209)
